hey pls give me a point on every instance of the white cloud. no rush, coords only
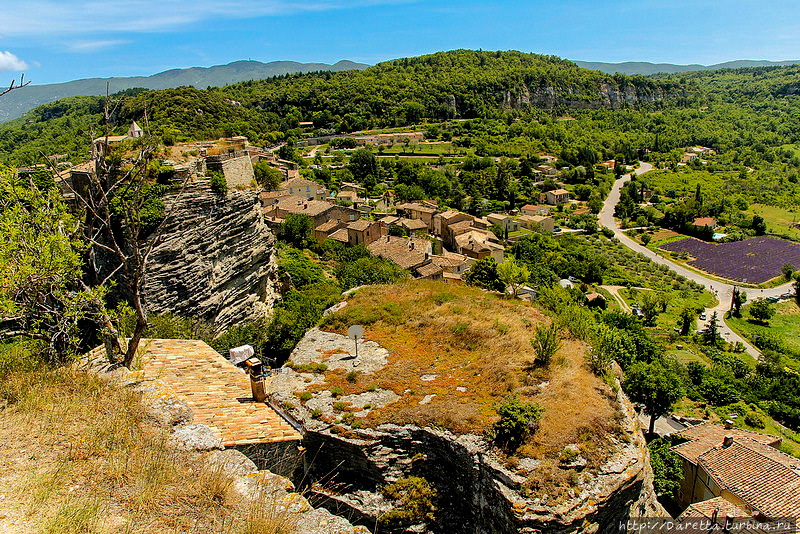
(10, 62)
(42, 18)
(94, 46)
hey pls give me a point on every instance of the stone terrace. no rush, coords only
(217, 391)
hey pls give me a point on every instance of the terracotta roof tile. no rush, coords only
(760, 475)
(706, 436)
(217, 391)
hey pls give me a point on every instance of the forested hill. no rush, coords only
(15, 104)
(646, 68)
(457, 84)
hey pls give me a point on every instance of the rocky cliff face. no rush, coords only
(476, 491)
(607, 96)
(216, 259)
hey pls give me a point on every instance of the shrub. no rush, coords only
(352, 377)
(316, 414)
(336, 391)
(218, 183)
(667, 467)
(416, 501)
(305, 396)
(755, 420)
(518, 420)
(546, 342)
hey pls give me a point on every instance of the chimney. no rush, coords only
(728, 424)
(255, 369)
(727, 441)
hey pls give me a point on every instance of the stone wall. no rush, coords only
(215, 260)
(238, 172)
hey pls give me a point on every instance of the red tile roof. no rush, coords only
(705, 436)
(760, 475)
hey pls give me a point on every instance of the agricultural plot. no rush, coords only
(753, 260)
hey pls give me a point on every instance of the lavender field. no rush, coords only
(754, 260)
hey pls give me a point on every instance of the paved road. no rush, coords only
(723, 291)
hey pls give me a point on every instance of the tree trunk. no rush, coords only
(652, 424)
(133, 343)
(141, 324)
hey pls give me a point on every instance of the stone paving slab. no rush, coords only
(217, 391)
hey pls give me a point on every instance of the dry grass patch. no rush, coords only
(79, 456)
(479, 342)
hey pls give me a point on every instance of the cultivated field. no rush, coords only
(755, 260)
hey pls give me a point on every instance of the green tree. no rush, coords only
(762, 310)
(513, 274)
(738, 299)
(364, 167)
(667, 467)
(654, 385)
(41, 294)
(797, 287)
(652, 306)
(759, 225)
(483, 273)
(267, 176)
(368, 270)
(297, 229)
(787, 270)
(711, 334)
(686, 319)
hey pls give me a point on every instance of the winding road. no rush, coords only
(723, 291)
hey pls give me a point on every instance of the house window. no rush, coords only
(308, 188)
(352, 217)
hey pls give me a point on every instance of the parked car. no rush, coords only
(702, 315)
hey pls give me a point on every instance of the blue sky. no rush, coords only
(61, 40)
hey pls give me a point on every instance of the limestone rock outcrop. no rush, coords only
(476, 489)
(215, 259)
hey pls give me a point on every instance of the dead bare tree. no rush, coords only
(120, 236)
(15, 85)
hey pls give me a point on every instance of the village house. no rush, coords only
(347, 196)
(411, 138)
(743, 467)
(324, 230)
(705, 222)
(429, 271)
(557, 196)
(547, 170)
(453, 265)
(407, 253)
(537, 223)
(99, 144)
(413, 226)
(441, 221)
(304, 188)
(320, 211)
(548, 159)
(506, 222)
(477, 245)
(417, 210)
(364, 231)
(534, 209)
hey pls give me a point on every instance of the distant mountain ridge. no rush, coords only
(16, 103)
(645, 68)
